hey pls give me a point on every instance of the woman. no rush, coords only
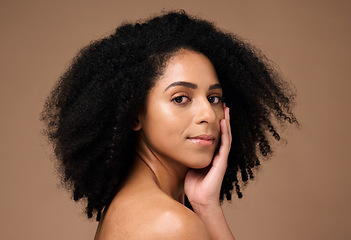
(141, 125)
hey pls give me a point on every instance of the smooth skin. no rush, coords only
(177, 153)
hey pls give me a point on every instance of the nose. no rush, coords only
(204, 112)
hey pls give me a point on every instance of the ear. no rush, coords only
(136, 126)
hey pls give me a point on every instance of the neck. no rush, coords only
(168, 174)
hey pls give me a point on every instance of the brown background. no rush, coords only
(302, 193)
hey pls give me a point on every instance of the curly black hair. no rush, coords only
(89, 113)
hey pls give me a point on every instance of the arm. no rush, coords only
(202, 187)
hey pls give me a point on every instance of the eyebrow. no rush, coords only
(191, 85)
(215, 86)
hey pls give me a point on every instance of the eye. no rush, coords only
(214, 99)
(181, 99)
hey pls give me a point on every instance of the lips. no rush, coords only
(203, 140)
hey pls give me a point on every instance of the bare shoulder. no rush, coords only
(177, 222)
(157, 217)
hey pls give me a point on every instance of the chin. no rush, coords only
(202, 163)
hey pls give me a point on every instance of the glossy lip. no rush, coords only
(203, 140)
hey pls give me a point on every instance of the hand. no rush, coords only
(202, 186)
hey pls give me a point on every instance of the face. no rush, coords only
(184, 108)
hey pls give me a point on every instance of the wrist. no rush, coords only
(207, 210)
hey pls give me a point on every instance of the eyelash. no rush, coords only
(184, 96)
(180, 98)
(218, 97)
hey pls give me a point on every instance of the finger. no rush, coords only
(223, 151)
(225, 131)
(225, 137)
(228, 125)
(219, 165)
(224, 124)
(220, 159)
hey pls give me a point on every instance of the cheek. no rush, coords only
(219, 116)
(219, 113)
(167, 121)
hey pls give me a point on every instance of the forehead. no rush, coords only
(188, 66)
